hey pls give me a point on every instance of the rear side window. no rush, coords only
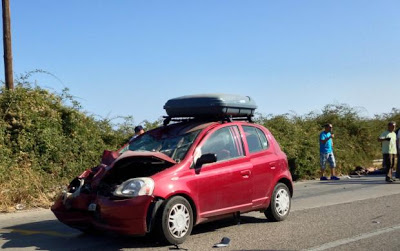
(256, 139)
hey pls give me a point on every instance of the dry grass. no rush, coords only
(25, 188)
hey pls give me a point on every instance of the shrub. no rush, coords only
(46, 140)
(355, 142)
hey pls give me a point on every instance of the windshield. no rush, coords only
(174, 147)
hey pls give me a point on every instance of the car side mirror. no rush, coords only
(206, 159)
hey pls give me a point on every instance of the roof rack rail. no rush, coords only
(168, 119)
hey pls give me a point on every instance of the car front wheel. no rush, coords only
(176, 220)
(279, 206)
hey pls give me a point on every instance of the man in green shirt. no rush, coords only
(389, 151)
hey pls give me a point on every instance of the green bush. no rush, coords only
(46, 140)
(355, 142)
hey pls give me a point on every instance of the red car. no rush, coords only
(179, 175)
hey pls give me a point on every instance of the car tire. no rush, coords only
(175, 220)
(279, 207)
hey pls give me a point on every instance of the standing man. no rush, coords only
(326, 151)
(138, 131)
(389, 151)
(398, 154)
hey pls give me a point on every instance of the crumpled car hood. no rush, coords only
(144, 155)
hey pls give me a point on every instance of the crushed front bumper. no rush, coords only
(125, 216)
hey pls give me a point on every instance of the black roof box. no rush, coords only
(211, 106)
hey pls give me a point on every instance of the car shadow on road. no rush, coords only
(227, 222)
(53, 235)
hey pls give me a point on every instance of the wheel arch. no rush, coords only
(191, 202)
(288, 183)
(158, 204)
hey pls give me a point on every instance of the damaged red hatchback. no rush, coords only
(200, 168)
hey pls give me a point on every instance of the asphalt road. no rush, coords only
(350, 214)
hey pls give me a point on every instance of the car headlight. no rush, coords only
(135, 187)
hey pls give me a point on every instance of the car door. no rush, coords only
(264, 161)
(223, 186)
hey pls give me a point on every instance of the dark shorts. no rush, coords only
(388, 161)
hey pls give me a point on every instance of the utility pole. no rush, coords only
(8, 68)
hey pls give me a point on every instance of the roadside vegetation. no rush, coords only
(46, 139)
(355, 142)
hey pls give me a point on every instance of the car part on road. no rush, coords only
(223, 243)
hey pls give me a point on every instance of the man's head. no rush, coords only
(391, 126)
(328, 127)
(139, 130)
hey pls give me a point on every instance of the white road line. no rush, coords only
(353, 239)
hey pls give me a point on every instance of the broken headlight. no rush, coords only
(135, 187)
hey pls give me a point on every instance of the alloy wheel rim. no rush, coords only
(282, 202)
(179, 220)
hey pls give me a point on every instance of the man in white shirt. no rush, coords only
(389, 149)
(398, 154)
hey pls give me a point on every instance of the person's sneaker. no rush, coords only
(335, 178)
(388, 179)
(323, 178)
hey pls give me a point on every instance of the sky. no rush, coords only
(127, 58)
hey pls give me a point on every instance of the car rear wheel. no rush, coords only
(279, 206)
(176, 220)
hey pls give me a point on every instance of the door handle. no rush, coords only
(245, 173)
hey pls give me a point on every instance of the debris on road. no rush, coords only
(20, 206)
(224, 243)
(359, 171)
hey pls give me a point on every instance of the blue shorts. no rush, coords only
(323, 157)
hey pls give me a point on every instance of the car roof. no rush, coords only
(182, 128)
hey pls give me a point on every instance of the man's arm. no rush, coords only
(383, 137)
(327, 138)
